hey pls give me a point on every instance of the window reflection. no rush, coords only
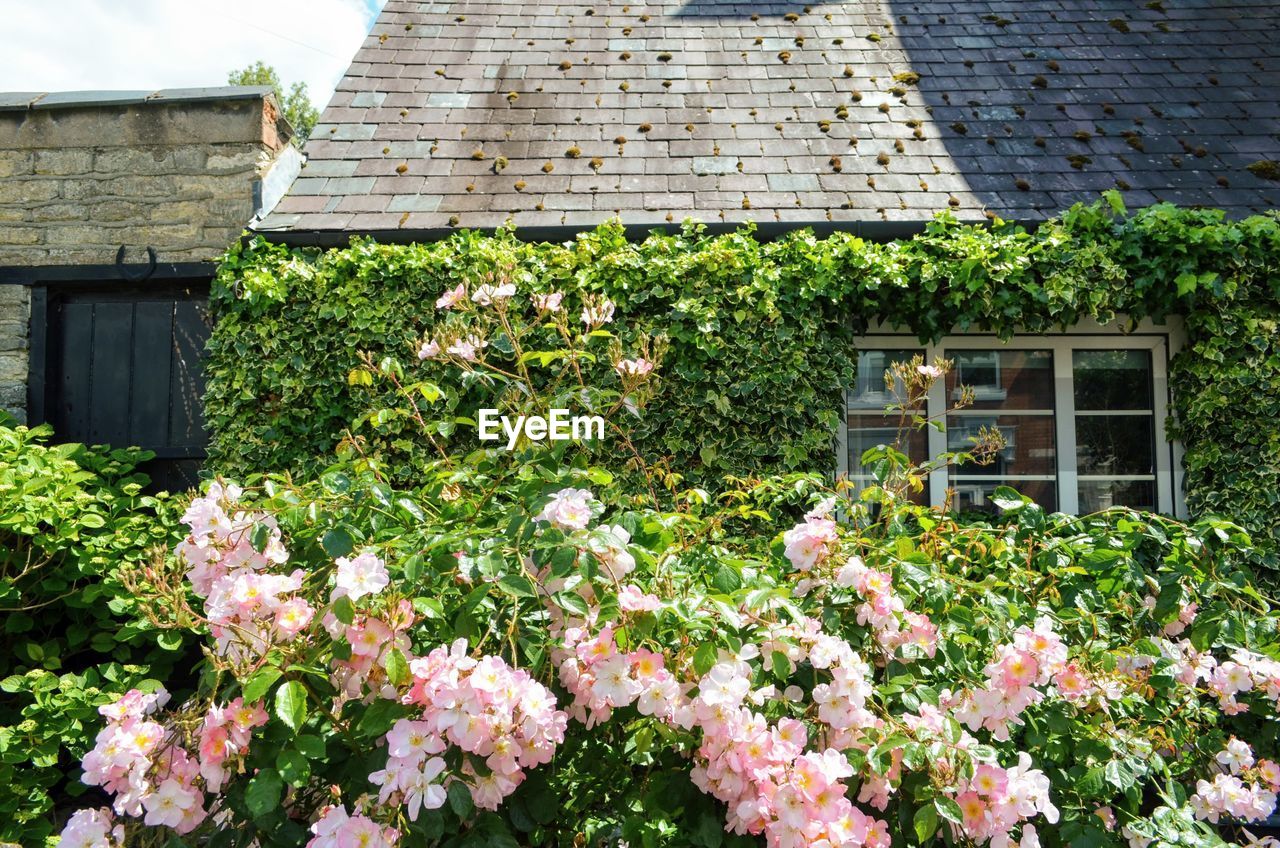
(1013, 393)
(1115, 429)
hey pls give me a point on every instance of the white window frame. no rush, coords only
(1162, 340)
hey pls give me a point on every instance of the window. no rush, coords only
(1082, 416)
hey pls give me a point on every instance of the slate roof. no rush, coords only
(469, 114)
(21, 101)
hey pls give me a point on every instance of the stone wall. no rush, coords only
(15, 309)
(180, 172)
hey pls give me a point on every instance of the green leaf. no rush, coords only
(260, 536)
(262, 795)
(312, 747)
(949, 809)
(170, 640)
(460, 800)
(337, 543)
(397, 667)
(1093, 784)
(925, 823)
(517, 585)
(572, 602)
(704, 657)
(344, 610)
(259, 683)
(291, 704)
(379, 717)
(293, 767)
(781, 665)
(727, 580)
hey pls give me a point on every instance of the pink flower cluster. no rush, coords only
(1245, 790)
(1244, 672)
(336, 829)
(225, 733)
(483, 707)
(568, 510)
(1186, 615)
(372, 640)
(810, 542)
(884, 612)
(639, 367)
(770, 782)
(996, 800)
(601, 678)
(249, 607)
(92, 829)
(151, 775)
(1031, 660)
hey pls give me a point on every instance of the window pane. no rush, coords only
(1003, 379)
(869, 431)
(1112, 379)
(870, 391)
(1029, 443)
(975, 495)
(1115, 444)
(1097, 495)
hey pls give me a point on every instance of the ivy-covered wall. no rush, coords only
(761, 333)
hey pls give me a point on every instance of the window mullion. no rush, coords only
(1065, 430)
(937, 442)
(1166, 488)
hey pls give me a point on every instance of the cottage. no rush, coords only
(865, 118)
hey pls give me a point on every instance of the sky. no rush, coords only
(69, 45)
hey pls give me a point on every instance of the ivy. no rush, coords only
(761, 333)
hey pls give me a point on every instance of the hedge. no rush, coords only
(761, 333)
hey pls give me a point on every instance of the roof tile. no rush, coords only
(465, 113)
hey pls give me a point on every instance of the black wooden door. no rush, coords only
(124, 368)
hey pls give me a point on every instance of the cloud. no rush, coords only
(149, 44)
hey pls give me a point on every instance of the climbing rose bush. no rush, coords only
(559, 645)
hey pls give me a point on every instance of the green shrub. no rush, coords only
(760, 333)
(70, 516)
(528, 648)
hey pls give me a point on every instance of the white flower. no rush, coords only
(420, 791)
(451, 297)
(548, 302)
(488, 294)
(594, 316)
(364, 575)
(639, 367)
(169, 803)
(569, 509)
(468, 348)
(1237, 756)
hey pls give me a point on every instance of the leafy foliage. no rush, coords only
(380, 659)
(69, 516)
(760, 333)
(296, 104)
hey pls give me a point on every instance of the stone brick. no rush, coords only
(27, 190)
(129, 160)
(63, 162)
(15, 163)
(58, 212)
(247, 159)
(20, 235)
